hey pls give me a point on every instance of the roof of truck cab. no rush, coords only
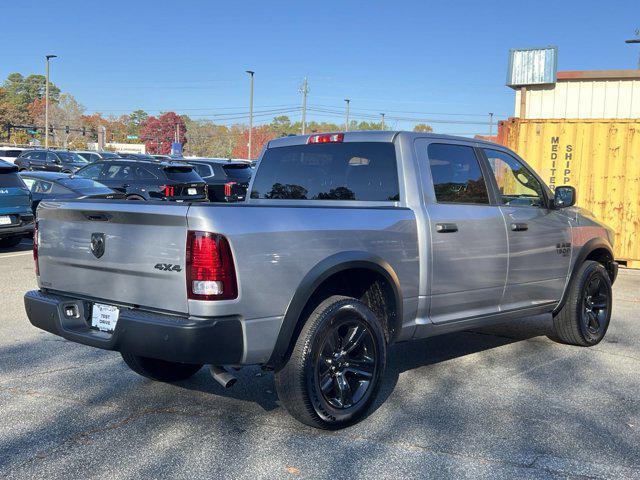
(371, 136)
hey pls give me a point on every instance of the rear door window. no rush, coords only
(92, 171)
(365, 171)
(456, 174)
(143, 173)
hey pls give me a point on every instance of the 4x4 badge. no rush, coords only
(98, 244)
(167, 267)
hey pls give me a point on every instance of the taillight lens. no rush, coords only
(326, 138)
(36, 243)
(210, 271)
(227, 188)
(169, 191)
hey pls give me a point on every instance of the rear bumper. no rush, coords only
(216, 341)
(23, 226)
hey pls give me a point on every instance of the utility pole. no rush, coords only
(382, 115)
(346, 123)
(490, 124)
(304, 90)
(635, 40)
(251, 73)
(46, 103)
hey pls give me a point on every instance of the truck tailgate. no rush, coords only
(140, 264)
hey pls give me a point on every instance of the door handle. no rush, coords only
(519, 227)
(446, 227)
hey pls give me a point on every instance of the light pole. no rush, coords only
(346, 123)
(382, 115)
(251, 73)
(46, 103)
(490, 125)
(635, 40)
(305, 91)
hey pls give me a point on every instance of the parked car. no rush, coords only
(227, 181)
(50, 161)
(148, 180)
(16, 218)
(62, 186)
(9, 154)
(348, 243)
(91, 156)
(137, 156)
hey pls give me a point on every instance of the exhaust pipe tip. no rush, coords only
(222, 376)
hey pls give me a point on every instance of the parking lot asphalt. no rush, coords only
(498, 402)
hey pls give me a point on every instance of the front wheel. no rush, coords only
(160, 370)
(335, 369)
(584, 318)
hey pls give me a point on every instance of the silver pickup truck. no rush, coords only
(346, 244)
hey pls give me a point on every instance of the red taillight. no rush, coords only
(210, 271)
(326, 138)
(169, 191)
(35, 248)
(227, 188)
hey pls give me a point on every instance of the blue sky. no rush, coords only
(411, 59)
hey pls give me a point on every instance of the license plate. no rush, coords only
(192, 191)
(104, 317)
(5, 220)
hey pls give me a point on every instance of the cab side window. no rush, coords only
(51, 157)
(516, 184)
(456, 174)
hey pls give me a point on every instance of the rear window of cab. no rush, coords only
(359, 171)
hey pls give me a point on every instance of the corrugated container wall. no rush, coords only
(600, 158)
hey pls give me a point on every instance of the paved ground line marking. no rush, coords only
(9, 255)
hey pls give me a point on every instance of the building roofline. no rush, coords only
(598, 74)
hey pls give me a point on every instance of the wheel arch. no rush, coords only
(310, 291)
(597, 249)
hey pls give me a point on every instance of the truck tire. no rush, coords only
(584, 318)
(10, 242)
(159, 370)
(337, 363)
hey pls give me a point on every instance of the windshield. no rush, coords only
(70, 157)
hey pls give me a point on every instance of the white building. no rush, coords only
(582, 94)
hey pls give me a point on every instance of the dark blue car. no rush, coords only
(16, 217)
(61, 186)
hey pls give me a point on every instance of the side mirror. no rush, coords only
(564, 197)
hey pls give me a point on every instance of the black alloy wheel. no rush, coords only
(596, 303)
(346, 363)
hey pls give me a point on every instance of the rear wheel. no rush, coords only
(160, 370)
(136, 198)
(336, 366)
(584, 318)
(10, 242)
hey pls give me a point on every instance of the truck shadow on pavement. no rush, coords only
(258, 387)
